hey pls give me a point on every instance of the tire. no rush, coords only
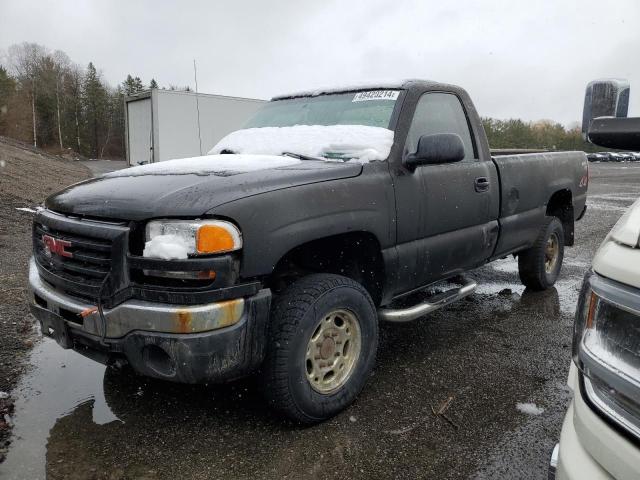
(314, 325)
(537, 270)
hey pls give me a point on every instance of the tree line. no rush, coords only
(53, 103)
(48, 100)
(543, 135)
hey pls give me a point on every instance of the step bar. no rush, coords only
(439, 300)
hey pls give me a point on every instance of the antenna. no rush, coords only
(195, 76)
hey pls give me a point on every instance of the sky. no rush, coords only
(517, 59)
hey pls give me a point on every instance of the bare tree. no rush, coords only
(61, 65)
(25, 59)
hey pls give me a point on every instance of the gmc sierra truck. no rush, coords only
(281, 250)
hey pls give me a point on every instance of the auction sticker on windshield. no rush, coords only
(376, 95)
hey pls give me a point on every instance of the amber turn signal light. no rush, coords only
(216, 239)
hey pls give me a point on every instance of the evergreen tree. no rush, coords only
(139, 86)
(7, 89)
(133, 85)
(153, 84)
(94, 99)
(128, 86)
(7, 86)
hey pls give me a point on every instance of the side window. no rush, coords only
(440, 113)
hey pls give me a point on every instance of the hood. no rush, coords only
(191, 187)
(627, 229)
(619, 255)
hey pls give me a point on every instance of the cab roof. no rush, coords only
(382, 85)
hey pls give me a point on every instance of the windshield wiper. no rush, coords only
(300, 156)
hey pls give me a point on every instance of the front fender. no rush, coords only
(273, 223)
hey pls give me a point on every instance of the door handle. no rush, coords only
(482, 184)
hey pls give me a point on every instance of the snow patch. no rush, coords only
(208, 164)
(166, 247)
(379, 85)
(529, 408)
(358, 142)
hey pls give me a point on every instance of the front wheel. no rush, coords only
(539, 266)
(322, 347)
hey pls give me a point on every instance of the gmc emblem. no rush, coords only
(56, 246)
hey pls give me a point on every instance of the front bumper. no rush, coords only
(189, 344)
(590, 447)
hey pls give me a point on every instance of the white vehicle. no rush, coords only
(600, 436)
(601, 432)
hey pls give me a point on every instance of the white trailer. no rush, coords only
(163, 124)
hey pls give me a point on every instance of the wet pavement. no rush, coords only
(501, 346)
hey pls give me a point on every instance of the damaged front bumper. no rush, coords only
(190, 344)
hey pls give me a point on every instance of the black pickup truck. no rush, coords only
(280, 251)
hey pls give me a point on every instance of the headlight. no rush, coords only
(606, 348)
(181, 239)
(176, 239)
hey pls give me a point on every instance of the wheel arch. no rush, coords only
(356, 255)
(560, 205)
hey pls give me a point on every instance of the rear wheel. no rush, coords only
(539, 266)
(322, 347)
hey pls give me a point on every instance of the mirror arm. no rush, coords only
(411, 162)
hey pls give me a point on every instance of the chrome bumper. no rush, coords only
(134, 314)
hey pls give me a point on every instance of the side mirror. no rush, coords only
(435, 149)
(604, 98)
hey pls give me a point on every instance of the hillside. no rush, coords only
(27, 177)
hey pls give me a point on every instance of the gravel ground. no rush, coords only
(499, 347)
(26, 178)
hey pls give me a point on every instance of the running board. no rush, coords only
(439, 300)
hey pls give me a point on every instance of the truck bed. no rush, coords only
(528, 182)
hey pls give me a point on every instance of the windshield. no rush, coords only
(371, 108)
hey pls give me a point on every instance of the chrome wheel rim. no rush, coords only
(332, 351)
(551, 253)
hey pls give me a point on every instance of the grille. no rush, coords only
(77, 256)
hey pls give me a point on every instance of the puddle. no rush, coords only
(45, 395)
(567, 286)
(76, 419)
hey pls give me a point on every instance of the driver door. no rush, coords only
(447, 213)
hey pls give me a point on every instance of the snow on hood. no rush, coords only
(208, 164)
(357, 142)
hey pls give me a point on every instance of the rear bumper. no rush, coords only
(188, 344)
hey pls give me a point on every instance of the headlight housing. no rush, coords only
(176, 239)
(181, 239)
(606, 349)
